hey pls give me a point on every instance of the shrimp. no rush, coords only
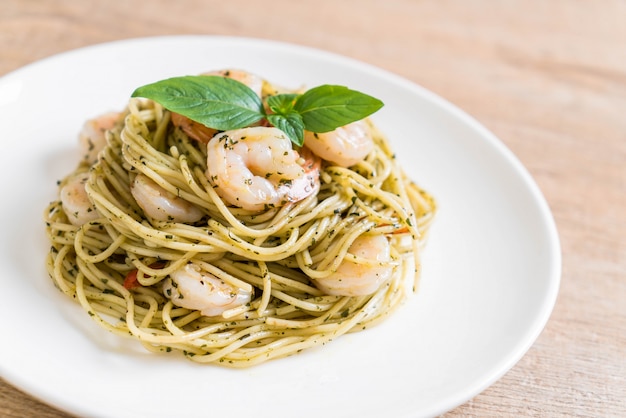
(75, 201)
(92, 137)
(345, 146)
(251, 80)
(256, 168)
(192, 287)
(358, 279)
(160, 204)
(193, 129)
(203, 133)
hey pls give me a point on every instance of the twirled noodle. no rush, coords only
(277, 254)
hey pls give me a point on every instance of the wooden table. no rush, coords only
(547, 77)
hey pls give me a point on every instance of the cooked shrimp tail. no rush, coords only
(193, 287)
(75, 201)
(160, 204)
(345, 146)
(353, 278)
(257, 168)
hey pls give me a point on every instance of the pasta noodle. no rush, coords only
(275, 255)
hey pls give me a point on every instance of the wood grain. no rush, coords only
(547, 77)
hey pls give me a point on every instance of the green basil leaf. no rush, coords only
(223, 103)
(215, 101)
(282, 103)
(291, 124)
(328, 107)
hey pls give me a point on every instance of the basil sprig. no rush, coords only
(223, 103)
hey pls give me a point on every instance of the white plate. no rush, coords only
(491, 269)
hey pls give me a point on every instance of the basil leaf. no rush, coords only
(224, 104)
(281, 103)
(215, 101)
(285, 118)
(328, 107)
(291, 124)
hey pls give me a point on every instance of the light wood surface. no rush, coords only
(548, 77)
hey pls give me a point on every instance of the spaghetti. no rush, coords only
(121, 264)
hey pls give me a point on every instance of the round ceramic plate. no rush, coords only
(491, 269)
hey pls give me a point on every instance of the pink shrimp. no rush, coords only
(257, 168)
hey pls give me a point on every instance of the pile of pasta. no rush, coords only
(276, 254)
